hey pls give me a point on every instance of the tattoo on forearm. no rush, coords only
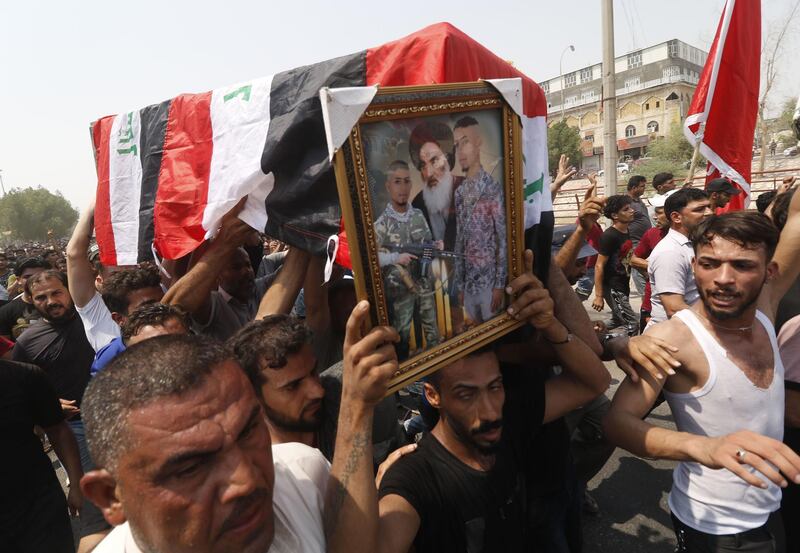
(361, 441)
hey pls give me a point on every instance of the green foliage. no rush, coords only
(673, 148)
(30, 212)
(650, 167)
(563, 139)
(784, 120)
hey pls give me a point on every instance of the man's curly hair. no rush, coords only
(615, 204)
(117, 287)
(153, 314)
(268, 343)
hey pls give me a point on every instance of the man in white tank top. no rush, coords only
(726, 393)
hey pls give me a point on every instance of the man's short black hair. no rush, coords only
(435, 378)
(661, 178)
(152, 314)
(30, 263)
(431, 131)
(163, 366)
(682, 198)
(763, 200)
(748, 229)
(466, 121)
(635, 181)
(268, 343)
(615, 204)
(780, 208)
(395, 165)
(47, 274)
(117, 287)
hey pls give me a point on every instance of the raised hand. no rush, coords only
(591, 209)
(532, 301)
(370, 359)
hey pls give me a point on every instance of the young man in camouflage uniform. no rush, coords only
(480, 276)
(404, 281)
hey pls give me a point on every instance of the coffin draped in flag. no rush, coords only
(169, 172)
(722, 116)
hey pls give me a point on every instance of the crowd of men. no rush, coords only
(231, 401)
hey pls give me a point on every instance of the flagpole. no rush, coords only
(695, 158)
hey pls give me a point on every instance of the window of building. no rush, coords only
(658, 103)
(672, 46)
(586, 75)
(631, 84)
(647, 106)
(587, 97)
(672, 71)
(634, 60)
(569, 80)
(630, 131)
(546, 87)
(652, 127)
(570, 101)
(589, 137)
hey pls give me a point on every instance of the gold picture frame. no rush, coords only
(389, 129)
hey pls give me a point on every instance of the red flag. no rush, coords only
(722, 116)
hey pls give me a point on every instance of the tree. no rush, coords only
(771, 53)
(673, 147)
(784, 120)
(563, 139)
(28, 213)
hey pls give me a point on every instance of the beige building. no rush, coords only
(654, 90)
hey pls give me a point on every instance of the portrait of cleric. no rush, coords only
(436, 186)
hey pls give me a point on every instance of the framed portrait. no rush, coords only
(429, 182)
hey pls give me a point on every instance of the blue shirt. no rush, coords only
(106, 354)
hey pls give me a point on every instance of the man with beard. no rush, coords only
(669, 266)
(430, 147)
(302, 404)
(727, 392)
(467, 485)
(19, 313)
(719, 193)
(408, 281)
(57, 344)
(480, 276)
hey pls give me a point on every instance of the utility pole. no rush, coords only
(609, 100)
(3, 186)
(569, 48)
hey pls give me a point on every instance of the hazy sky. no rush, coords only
(64, 64)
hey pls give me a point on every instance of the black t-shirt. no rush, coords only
(27, 398)
(62, 351)
(15, 316)
(465, 510)
(617, 247)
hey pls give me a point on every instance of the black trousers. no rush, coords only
(766, 539)
(790, 504)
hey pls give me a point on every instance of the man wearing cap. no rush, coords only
(719, 193)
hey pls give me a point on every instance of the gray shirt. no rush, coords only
(228, 314)
(670, 271)
(641, 221)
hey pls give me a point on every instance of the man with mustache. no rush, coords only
(430, 147)
(57, 344)
(726, 392)
(301, 403)
(467, 485)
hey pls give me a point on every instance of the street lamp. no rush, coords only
(570, 48)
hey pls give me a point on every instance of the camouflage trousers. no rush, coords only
(403, 314)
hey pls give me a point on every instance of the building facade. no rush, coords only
(654, 90)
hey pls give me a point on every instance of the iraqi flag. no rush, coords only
(722, 116)
(169, 172)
